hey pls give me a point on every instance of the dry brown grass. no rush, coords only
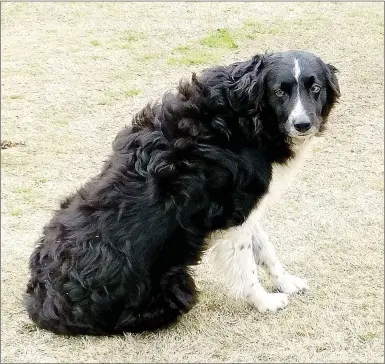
(73, 74)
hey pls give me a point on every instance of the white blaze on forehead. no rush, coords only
(297, 69)
(298, 108)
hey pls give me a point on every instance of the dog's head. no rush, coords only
(294, 89)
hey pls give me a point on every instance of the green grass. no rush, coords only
(33, 70)
(60, 121)
(16, 212)
(95, 43)
(110, 96)
(25, 193)
(132, 92)
(368, 336)
(215, 45)
(132, 36)
(15, 9)
(190, 56)
(124, 45)
(128, 38)
(219, 38)
(11, 160)
(22, 190)
(182, 49)
(148, 57)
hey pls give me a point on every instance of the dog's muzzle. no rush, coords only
(302, 126)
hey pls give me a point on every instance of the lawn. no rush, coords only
(73, 74)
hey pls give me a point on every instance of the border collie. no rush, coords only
(204, 161)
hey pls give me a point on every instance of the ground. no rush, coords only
(73, 74)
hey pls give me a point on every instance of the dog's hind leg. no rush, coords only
(175, 296)
(234, 258)
(266, 257)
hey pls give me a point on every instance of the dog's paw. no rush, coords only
(290, 284)
(271, 302)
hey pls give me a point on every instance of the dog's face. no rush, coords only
(300, 90)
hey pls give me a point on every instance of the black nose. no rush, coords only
(302, 125)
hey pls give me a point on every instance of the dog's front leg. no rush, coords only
(234, 258)
(266, 257)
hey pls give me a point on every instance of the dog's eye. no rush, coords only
(315, 89)
(279, 92)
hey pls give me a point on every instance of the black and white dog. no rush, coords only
(203, 162)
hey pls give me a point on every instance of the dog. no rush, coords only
(201, 165)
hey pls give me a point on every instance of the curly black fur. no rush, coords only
(115, 257)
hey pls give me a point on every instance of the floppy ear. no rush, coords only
(332, 83)
(247, 84)
(332, 89)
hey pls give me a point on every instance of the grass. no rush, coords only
(60, 121)
(22, 190)
(148, 57)
(16, 212)
(10, 160)
(219, 38)
(368, 336)
(124, 45)
(327, 227)
(184, 55)
(213, 46)
(253, 29)
(26, 194)
(132, 36)
(111, 97)
(95, 43)
(96, 58)
(34, 71)
(133, 92)
(41, 180)
(129, 38)
(205, 51)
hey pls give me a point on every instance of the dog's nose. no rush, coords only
(302, 125)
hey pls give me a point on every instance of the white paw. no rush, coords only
(290, 284)
(271, 302)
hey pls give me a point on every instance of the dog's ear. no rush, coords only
(332, 89)
(332, 83)
(246, 84)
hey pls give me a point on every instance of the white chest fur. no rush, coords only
(282, 176)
